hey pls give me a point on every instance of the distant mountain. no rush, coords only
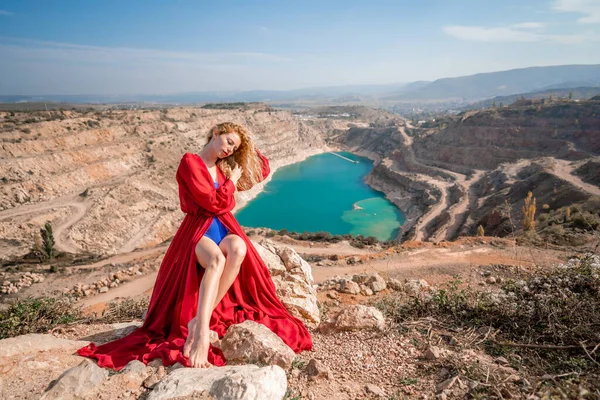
(577, 93)
(324, 92)
(504, 83)
(467, 88)
(574, 84)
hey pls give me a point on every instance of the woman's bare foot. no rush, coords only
(189, 343)
(199, 353)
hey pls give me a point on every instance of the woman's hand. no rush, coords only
(236, 174)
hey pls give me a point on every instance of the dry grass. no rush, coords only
(548, 320)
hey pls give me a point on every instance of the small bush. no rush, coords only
(33, 315)
(48, 241)
(480, 231)
(585, 220)
(123, 311)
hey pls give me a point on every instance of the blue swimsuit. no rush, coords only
(216, 231)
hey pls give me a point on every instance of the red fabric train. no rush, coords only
(174, 299)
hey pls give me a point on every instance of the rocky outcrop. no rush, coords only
(487, 138)
(251, 342)
(116, 168)
(293, 279)
(248, 382)
(77, 382)
(500, 188)
(36, 342)
(54, 371)
(353, 318)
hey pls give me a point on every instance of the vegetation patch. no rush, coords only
(546, 321)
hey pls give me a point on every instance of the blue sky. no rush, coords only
(129, 47)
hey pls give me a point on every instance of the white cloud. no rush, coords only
(45, 49)
(529, 25)
(6, 13)
(524, 32)
(590, 8)
(494, 34)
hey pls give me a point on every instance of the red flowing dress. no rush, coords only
(174, 300)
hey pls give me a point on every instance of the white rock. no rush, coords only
(245, 382)
(413, 286)
(348, 286)
(376, 283)
(125, 328)
(251, 342)
(356, 317)
(293, 279)
(35, 342)
(395, 284)
(77, 381)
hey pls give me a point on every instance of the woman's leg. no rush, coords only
(234, 250)
(210, 257)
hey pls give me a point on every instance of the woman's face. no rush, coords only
(226, 144)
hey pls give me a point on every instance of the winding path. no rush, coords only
(62, 241)
(564, 170)
(455, 210)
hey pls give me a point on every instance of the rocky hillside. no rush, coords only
(105, 179)
(453, 174)
(485, 139)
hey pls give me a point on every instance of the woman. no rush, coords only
(211, 276)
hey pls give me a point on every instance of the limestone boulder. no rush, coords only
(132, 375)
(251, 342)
(35, 342)
(293, 279)
(414, 286)
(395, 284)
(272, 260)
(360, 278)
(355, 317)
(244, 382)
(376, 283)
(77, 381)
(121, 329)
(349, 286)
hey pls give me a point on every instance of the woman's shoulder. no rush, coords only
(191, 158)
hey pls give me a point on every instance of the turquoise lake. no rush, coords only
(318, 194)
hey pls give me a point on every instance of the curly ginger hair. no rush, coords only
(245, 156)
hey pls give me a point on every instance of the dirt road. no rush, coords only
(434, 264)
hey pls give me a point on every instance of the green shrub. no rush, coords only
(48, 240)
(36, 315)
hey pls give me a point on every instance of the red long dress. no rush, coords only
(174, 300)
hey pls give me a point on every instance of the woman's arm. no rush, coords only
(194, 176)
